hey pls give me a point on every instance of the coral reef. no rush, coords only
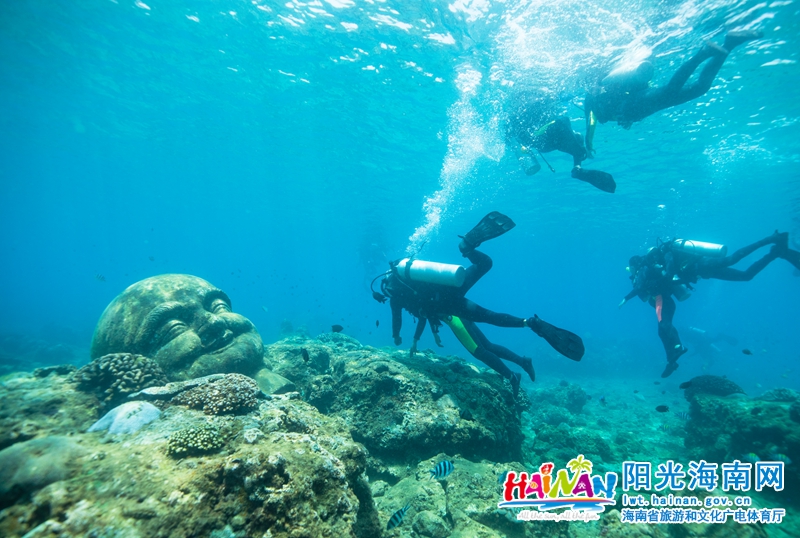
(234, 393)
(194, 441)
(112, 378)
(182, 322)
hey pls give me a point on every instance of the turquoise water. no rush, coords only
(286, 151)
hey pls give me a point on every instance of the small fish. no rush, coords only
(502, 478)
(602, 400)
(656, 382)
(752, 457)
(264, 308)
(662, 408)
(397, 518)
(466, 414)
(747, 352)
(100, 277)
(636, 392)
(683, 415)
(151, 258)
(779, 457)
(304, 353)
(336, 328)
(663, 428)
(377, 323)
(442, 469)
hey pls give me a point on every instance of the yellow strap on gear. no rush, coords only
(461, 333)
(592, 118)
(543, 129)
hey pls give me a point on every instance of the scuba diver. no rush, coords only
(626, 96)
(539, 125)
(673, 266)
(435, 293)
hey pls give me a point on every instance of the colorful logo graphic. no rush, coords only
(573, 488)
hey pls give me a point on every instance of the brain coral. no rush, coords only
(113, 377)
(194, 441)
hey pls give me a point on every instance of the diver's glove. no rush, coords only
(381, 298)
(398, 340)
(622, 303)
(437, 339)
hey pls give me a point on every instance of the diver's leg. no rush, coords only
(481, 264)
(474, 312)
(504, 353)
(669, 335)
(735, 275)
(774, 239)
(483, 354)
(792, 256)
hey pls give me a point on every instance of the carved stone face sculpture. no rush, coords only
(182, 322)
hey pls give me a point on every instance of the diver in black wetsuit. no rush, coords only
(627, 98)
(437, 303)
(538, 125)
(674, 266)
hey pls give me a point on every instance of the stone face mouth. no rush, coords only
(221, 343)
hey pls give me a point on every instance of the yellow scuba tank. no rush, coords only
(699, 248)
(445, 274)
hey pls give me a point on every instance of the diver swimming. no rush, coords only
(434, 293)
(670, 268)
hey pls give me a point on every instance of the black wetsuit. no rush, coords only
(538, 126)
(432, 302)
(694, 267)
(626, 104)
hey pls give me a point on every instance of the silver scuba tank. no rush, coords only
(700, 248)
(445, 274)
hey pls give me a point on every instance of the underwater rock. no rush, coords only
(426, 523)
(272, 383)
(722, 429)
(194, 441)
(710, 384)
(233, 394)
(794, 411)
(184, 323)
(780, 395)
(29, 466)
(171, 389)
(566, 395)
(127, 418)
(409, 408)
(61, 369)
(112, 378)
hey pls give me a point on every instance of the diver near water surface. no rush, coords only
(627, 97)
(435, 293)
(671, 268)
(539, 125)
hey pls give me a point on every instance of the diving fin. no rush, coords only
(568, 344)
(492, 225)
(602, 180)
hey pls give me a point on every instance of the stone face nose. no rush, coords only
(215, 333)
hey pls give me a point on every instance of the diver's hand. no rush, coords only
(398, 340)
(413, 350)
(622, 303)
(437, 339)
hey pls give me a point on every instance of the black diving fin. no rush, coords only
(568, 344)
(492, 225)
(602, 180)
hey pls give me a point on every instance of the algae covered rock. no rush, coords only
(127, 418)
(29, 466)
(184, 323)
(234, 393)
(194, 441)
(113, 377)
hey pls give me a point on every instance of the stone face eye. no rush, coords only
(219, 306)
(171, 330)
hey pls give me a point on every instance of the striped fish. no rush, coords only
(683, 415)
(442, 470)
(397, 518)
